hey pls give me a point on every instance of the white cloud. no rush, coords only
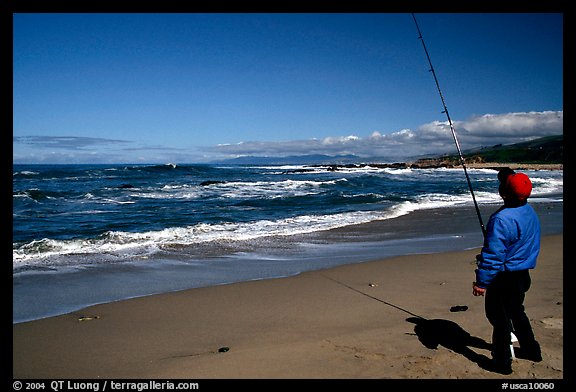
(432, 138)
(66, 142)
(428, 139)
(80, 149)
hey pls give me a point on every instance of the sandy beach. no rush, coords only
(386, 319)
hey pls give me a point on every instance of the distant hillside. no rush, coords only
(546, 150)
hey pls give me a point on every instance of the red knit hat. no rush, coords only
(519, 186)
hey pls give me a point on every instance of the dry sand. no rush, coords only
(350, 322)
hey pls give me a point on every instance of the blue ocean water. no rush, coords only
(186, 226)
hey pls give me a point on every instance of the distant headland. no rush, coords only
(545, 153)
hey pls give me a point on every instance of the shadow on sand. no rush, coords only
(437, 332)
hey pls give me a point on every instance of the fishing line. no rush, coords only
(372, 297)
(451, 127)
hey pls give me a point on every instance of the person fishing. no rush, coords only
(510, 251)
(511, 247)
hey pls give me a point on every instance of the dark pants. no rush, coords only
(504, 306)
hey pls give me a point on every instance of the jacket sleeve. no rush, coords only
(494, 252)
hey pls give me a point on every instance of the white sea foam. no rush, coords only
(238, 189)
(25, 173)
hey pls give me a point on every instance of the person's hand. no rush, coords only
(477, 291)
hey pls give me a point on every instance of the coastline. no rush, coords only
(435, 163)
(353, 321)
(43, 294)
(517, 166)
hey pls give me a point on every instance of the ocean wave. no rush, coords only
(237, 189)
(35, 194)
(165, 166)
(121, 243)
(546, 186)
(25, 173)
(198, 205)
(272, 189)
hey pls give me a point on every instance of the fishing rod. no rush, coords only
(451, 127)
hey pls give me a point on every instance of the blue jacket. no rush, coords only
(512, 243)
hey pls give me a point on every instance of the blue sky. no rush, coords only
(193, 87)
